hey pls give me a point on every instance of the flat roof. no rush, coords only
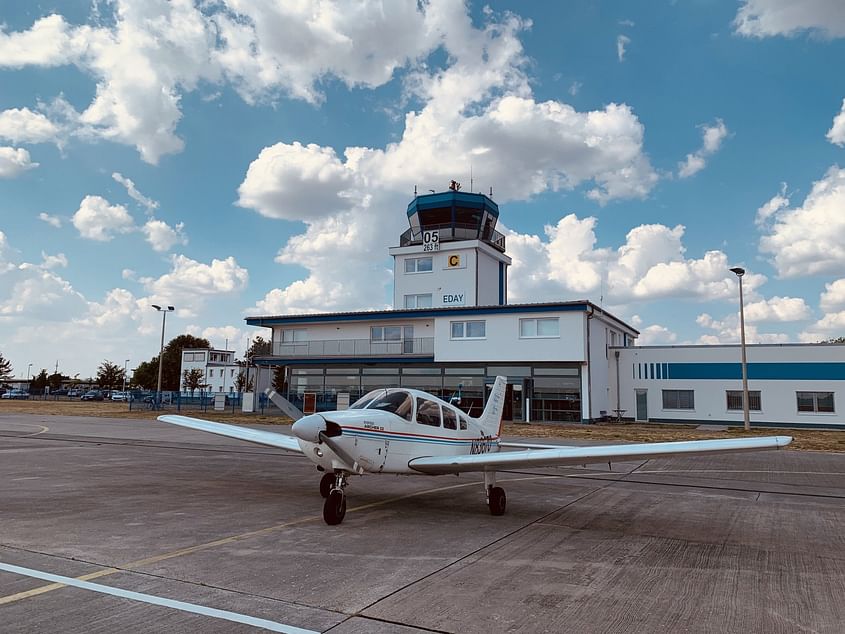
(408, 313)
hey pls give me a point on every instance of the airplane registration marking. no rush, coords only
(128, 567)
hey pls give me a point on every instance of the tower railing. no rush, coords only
(419, 346)
(450, 232)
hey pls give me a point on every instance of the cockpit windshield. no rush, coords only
(399, 403)
(361, 403)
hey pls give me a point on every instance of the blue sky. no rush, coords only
(244, 157)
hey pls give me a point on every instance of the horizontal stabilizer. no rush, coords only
(257, 436)
(561, 456)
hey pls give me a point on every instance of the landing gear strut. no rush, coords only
(334, 509)
(496, 499)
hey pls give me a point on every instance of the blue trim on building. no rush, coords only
(340, 361)
(758, 371)
(450, 199)
(415, 314)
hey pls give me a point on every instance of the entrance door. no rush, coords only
(642, 404)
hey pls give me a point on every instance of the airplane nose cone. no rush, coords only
(308, 428)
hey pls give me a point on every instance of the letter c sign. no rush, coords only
(454, 261)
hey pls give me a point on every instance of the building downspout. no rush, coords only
(589, 371)
(618, 406)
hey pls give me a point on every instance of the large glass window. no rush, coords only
(556, 399)
(470, 388)
(735, 400)
(294, 335)
(386, 333)
(815, 402)
(428, 412)
(678, 399)
(418, 301)
(540, 327)
(418, 265)
(469, 329)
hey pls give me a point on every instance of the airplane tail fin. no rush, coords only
(491, 417)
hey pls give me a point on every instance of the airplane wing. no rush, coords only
(584, 455)
(257, 436)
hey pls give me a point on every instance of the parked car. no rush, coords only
(59, 392)
(92, 395)
(17, 394)
(75, 392)
(120, 396)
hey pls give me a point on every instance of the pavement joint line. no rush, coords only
(193, 608)
(128, 567)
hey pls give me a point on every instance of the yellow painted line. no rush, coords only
(228, 540)
(42, 429)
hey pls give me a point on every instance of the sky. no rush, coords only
(250, 157)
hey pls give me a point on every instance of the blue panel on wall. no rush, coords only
(759, 371)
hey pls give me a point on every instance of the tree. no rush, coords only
(38, 383)
(172, 360)
(5, 368)
(55, 380)
(146, 374)
(109, 375)
(836, 340)
(279, 383)
(242, 384)
(193, 379)
(260, 347)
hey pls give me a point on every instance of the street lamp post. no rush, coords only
(124, 376)
(739, 271)
(163, 312)
(28, 368)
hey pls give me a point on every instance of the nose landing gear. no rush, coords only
(334, 508)
(496, 499)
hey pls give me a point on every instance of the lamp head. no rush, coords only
(738, 270)
(170, 308)
(156, 306)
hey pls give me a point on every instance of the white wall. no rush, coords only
(503, 343)
(778, 396)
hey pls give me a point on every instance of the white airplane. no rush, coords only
(405, 431)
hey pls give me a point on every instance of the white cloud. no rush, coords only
(219, 335)
(96, 219)
(621, 42)
(575, 88)
(766, 18)
(656, 335)
(775, 204)
(189, 281)
(712, 137)
(809, 239)
(163, 237)
(727, 330)
(836, 134)
(296, 182)
(54, 261)
(777, 309)
(22, 125)
(53, 221)
(149, 204)
(14, 162)
(833, 297)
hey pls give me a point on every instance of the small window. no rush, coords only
(815, 402)
(469, 329)
(386, 333)
(678, 399)
(463, 421)
(545, 327)
(294, 335)
(418, 265)
(735, 400)
(450, 419)
(418, 301)
(428, 412)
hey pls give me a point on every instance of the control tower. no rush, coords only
(452, 254)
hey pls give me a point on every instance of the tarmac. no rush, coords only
(199, 533)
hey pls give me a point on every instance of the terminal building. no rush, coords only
(452, 331)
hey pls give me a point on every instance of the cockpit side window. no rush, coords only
(399, 403)
(450, 419)
(428, 412)
(463, 422)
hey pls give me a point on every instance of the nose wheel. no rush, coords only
(334, 508)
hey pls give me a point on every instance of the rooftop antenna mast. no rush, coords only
(415, 191)
(470, 178)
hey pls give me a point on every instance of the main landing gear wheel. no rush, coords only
(326, 484)
(334, 508)
(497, 501)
